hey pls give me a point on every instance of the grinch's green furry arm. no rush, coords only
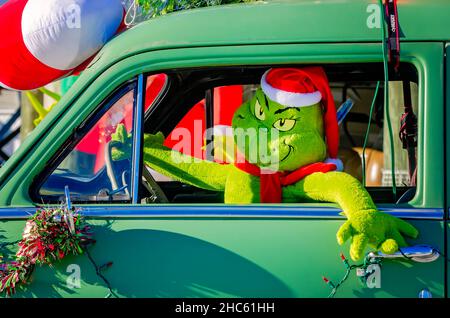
(365, 224)
(199, 173)
(337, 187)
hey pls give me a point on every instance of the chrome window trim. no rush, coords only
(231, 212)
(137, 140)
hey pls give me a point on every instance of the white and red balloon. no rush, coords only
(44, 40)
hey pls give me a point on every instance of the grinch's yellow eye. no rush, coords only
(259, 111)
(284, 124)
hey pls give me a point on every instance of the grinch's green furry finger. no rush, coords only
(389, 246)
(406, 228)
(359, 243)
(344, 233)
(399, 238)
(393, 242)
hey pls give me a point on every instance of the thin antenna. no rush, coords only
(68, 216)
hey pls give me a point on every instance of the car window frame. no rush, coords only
(138, 84)
(79, 133)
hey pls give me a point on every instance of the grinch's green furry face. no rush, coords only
(276, 137)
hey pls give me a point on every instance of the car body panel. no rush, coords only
(229, 257)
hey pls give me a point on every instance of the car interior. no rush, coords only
(210, 95)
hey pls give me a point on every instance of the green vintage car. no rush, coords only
(187, 70)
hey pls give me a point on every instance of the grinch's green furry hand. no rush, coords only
(154, 141)
(381, 231)
(122, 143)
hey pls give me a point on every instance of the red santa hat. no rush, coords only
(301, 87)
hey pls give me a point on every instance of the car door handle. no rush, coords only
(417, 253)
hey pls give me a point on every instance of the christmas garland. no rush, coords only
(49, 236)
(160, 7)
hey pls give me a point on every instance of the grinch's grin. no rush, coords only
(289, 152)
(291, 148)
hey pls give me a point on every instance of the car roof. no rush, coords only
(272, 22)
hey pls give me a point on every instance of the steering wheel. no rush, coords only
(157, 195)
(152, 186)
(111, 172)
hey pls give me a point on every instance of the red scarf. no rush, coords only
(271, 183)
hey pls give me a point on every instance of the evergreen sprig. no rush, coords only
(153, 8)
(47, 238)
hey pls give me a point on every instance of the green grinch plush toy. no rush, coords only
(286, 138)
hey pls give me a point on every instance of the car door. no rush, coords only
(213, 249)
